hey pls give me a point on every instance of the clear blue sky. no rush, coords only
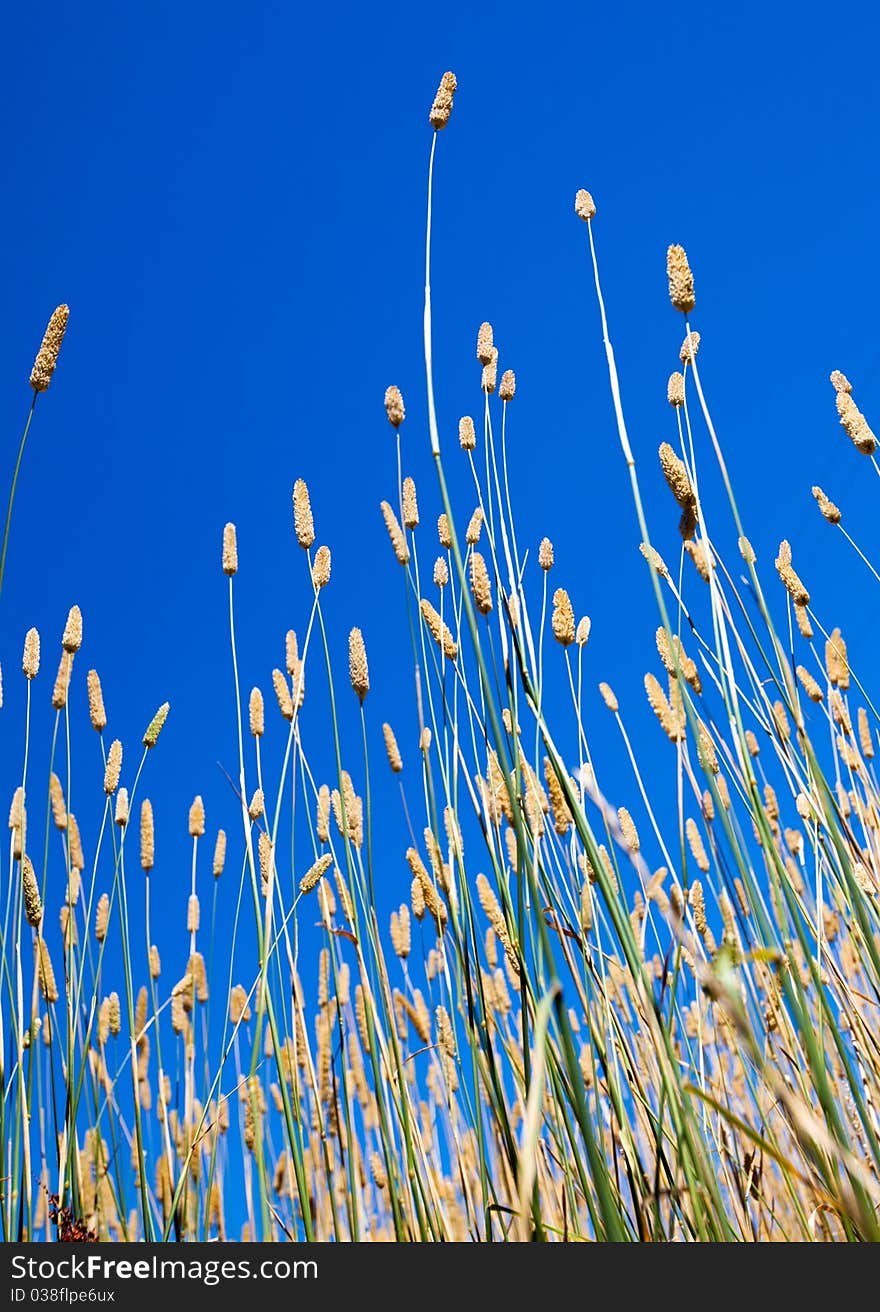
(231, 199)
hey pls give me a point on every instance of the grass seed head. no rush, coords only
(681, 279)
(303, 524)
(467, 434)
(47, 356)
(30, 661)
(442, 106)
(230, 550)
(584, 205)
(394, 407)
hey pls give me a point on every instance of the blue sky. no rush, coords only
(231, 199)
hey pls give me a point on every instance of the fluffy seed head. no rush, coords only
(689, 348)
(545, 554)
(809, 684)
(391, 748)
(467, 434)
(681, 280)
(676, 476)
(197, 818)
(321, 568)
(316, 873)
(410, 504)
(855, 425)
(836, 660)
(438, 630)
(441, 572)
(507, 390)
(443, 532)
(219, 853)
(102, 917)
(395, 533)
(121, 814)
(828, 508)
(490, 373)
(675, 389)
(840, 382)
(485, 343)
(303, 524)
(97, 713)
(148, 836)
(584, 205)
(113, 767)
(793, 584)
(30, 661)
(562, 619)
(33, 906)
(608, 696)
(156, 725)
(394, 407)
(71, 639)
(256, 713)
(230, 550)
(47, 356)
(442, 106)
(480, 585)
(56, 796)
(257, 805)
(193, 914)
(582, 632)
(62, 681)
(282, 692)
(474, 528)
(654, 559)
(358, 669)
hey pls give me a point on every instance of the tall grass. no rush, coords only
(551, 1040)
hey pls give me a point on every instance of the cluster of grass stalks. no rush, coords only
(553, 1038)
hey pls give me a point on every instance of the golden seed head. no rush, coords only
(45, 973)
(219, 853)
(56, 795)
(836, 660)
(113, 767)
(62, 681)
(747, 551)
(442, 106)
(102, 917)
(322, 824)
(33, 906)
(282, 692)
(681, 280)
(545, 554)
(197, 818)
(467, 434)
(394, 407)
(358, 670)
(480, 585)
(865, 737)
(114, 1014)
(441, 572)
(438, 630)
(628, 830)
(608, 697)
(303, 523)
(443, 532)
(828, 508)
(584, 205)
(675, 390)
(562, 619)
(474, 528)
(793, 584)
(490, 373)
(582, 632)
(256, 806)
(401, 934)
(230, 550)
(47, 356)
(485, 343)
(391, 748)
(71, 639)
(193, 914)
(97, 713)
(30, 661)
(154, 728)
(689, 348)
(676, 475)
(507, 390)
(809, 684)
(256, 713)
(321, 568)
(148, 837)
(654, 559)
(395, 533)
(700, 555)
(410, 504)
(316, 873)
(77, 859)
(840, 382)
(855, 425)
(121, 815)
